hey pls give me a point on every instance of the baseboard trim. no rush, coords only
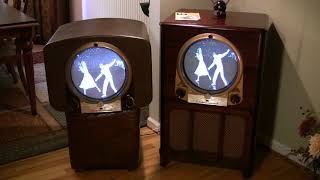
(153, 124)
(280, 148)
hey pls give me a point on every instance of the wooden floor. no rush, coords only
(55, 165)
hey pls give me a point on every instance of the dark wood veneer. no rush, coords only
(246, 31)
(104, 141)
(101, 140)
(129, 36)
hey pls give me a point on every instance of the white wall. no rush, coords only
(170, 6)
(129, 9)
(308, 63)
(286, 15)
(154, 34)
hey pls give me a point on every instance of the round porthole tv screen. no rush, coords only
(210, 63)
(98, 72)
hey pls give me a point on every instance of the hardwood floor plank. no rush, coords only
(56, 165)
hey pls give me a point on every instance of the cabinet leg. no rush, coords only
(133, 166)
(247, 172)
(164, 161)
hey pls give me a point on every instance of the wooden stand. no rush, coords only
(109, 140)
(223, 136)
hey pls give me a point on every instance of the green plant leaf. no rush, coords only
(145, 8)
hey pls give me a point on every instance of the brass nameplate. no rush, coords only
(100, 107)
(207, 100)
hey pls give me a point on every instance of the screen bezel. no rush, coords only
(124, 88)
(184, 77)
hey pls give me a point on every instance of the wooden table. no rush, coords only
(15, 24)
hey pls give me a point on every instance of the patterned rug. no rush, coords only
(21, 134)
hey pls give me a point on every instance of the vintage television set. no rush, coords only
(210, 76)
(99, 73)
(209, 71)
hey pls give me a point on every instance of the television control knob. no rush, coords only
(129, 101)
(235, 99)
(180, 93)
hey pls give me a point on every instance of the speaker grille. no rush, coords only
(180, 129)
(234, 137)
(206, 131)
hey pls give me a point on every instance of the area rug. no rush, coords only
(37, 53)
(21, 134)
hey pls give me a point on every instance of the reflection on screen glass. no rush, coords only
(210, 65)
(98, 72)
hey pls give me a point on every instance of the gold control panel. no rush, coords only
(101, 107)
(229, 97)
(202, 99)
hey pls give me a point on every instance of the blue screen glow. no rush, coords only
(98, 72)
(210, 65)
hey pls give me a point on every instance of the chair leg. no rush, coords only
(28, 65)
(20, 69)
(12, 71)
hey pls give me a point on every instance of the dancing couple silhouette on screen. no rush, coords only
(88, 82)
(203, 71)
